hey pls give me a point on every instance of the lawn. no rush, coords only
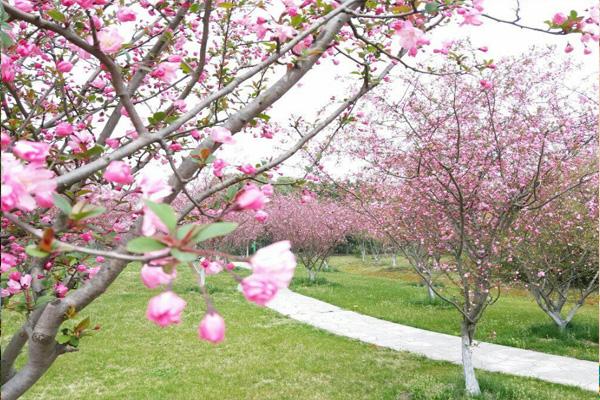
(395, 294)
(265, 356)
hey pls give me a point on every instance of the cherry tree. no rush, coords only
(111, 110)
(470, 154)
(556, 252)
(315, 226)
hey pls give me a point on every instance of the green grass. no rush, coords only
(265, 356)
(395, 294)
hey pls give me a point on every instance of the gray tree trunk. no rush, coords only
(471, 384)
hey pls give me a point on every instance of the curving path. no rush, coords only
(437, 346)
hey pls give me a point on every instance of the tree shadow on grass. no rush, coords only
(576, 331)
(319, 281)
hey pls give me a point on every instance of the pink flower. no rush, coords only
(568, 48)
(541, 274)
(261, 216)
(267, 189)
(118, 172)
(259, 289)
(21, 182)
(276, 262)
(35, 152)
(247, 169)
(409, 36)
(486, 84)
(212, 328)
(559, 19)
(284, 32)
(92, 272)
(165, 309)
(7, 261)
(85, 3)
(250, 198)
(153, 186)
(165, 71)
(4, 140)
(110, 40)
(7, 68)
(212, 267)
(24, 5)
(63, 129)
(64, 66)
(60, 290)
(303, 44)
(470, 17)
(125, 14)
(221, 135)
(156, 276)
(218, 166)
(80, 141)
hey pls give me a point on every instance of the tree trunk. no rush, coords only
(312, 275)
(363, 251)
(430, 293)
(467, 333)
(394, 262)
(247, 250)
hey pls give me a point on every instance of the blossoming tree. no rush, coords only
(470, 156)
(97, 94)
(556, 252)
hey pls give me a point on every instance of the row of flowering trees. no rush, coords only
(487, 169)
(112, 110)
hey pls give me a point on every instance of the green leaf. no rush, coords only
(185, 229)
(144, 245)
(63, 339)
(34, 251)
(165, 213)
(183, 256)
(56, 15)
(88, 213)
(215, 230)
(62, 203)
(82, 325)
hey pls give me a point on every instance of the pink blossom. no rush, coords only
(221, 135)
(92, 272)
(165, 72)
(267, 189)
(125, 14)
(110, 40)
(87, 4)
(212, 328)
(470, 17)
(7, 261)
(559, 19)
(7, 68)
(303, 44)
(153, 186)
(284, 32)
(81, 141)
(35, 152)
(250, 198)
(247, 169)
(486, 84)
(259, 289)
(218, 166)
(155, 276)
(276, 262)
(24, 5)
(118, 172)
(568, 48)
(4, 140)
(165, 309)
(261, 216)
(21, 182)
(541, 274)
(409, 36)
(60, 290)
(64, 66)
(63, 129)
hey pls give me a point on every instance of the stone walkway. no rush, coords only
(437, 346)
